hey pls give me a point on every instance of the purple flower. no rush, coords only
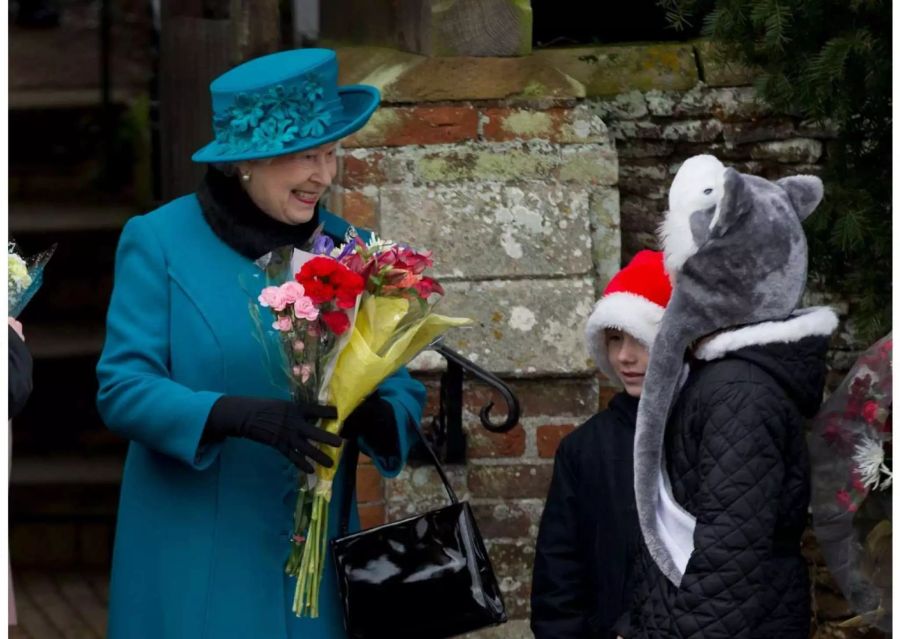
(346, 250)
(323, 245)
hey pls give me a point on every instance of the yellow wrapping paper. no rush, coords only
(360, 369)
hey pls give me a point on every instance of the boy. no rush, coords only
(589, 534)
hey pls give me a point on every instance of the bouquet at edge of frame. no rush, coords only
(346, 318)
(851, 455)
(24, 277)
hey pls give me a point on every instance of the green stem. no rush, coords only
(321, 556)
(311, 566)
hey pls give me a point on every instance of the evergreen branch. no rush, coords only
(829, 60)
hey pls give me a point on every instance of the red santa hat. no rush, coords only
(634, 302)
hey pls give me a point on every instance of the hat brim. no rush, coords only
(359, 101)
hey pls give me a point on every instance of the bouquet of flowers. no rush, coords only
(24, 277)
(347, 318)
(852, 471)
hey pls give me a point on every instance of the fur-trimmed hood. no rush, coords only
(737, 254)
(807, 322)
(791, 352)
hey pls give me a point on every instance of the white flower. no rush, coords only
(18, 278)
(869, 458)
(376, 244)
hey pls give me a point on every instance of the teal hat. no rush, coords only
(283, 103)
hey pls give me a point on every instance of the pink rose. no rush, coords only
(299, 346)
(305, 309)
(282, 324)
(273, 298)
(292, 291)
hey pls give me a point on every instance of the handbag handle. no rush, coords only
(351, 459)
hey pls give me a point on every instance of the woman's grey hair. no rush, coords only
(231, 169)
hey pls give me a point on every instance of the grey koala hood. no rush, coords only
(736, 251)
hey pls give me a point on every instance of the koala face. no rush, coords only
(698, 187)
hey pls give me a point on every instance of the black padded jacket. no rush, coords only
(737, 459)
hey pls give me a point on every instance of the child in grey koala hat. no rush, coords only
(721, 465)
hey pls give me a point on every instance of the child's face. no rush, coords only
(628, 357)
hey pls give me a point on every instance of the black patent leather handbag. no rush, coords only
(426, 577)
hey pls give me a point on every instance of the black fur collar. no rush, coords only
(239, 223)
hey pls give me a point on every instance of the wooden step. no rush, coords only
(66, 469)
(54, 341)
(73, 98)
(55, 217)
(55, 604)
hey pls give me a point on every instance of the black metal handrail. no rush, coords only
(512, 402)
(447, 435)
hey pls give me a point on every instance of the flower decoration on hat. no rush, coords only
(273, 119)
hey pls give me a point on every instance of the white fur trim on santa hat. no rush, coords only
(817, 320)
(628, 312)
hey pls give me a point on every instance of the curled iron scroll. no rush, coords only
(470, 367)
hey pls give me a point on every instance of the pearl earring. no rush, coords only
(245, 177)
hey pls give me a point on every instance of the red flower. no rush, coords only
(427, 286)
(870, 411)
(859, 388)
(325, 279)
(336, 321)
(315, 277)
(348, 286)
(835, 436)
(319, 292)
(858, 485)
(843, 498)
(355, 257)
(405, 259)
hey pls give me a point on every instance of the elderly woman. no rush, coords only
(206, 509)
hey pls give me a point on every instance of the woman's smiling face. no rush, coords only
(287, 187)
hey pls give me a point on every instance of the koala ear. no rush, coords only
(805, 192)
(734, 204)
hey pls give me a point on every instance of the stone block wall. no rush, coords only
(532, 179)
(655, 131)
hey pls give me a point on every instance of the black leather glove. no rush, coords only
(286, 426)
(374, 421)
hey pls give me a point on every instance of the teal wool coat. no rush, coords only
(203, 531)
